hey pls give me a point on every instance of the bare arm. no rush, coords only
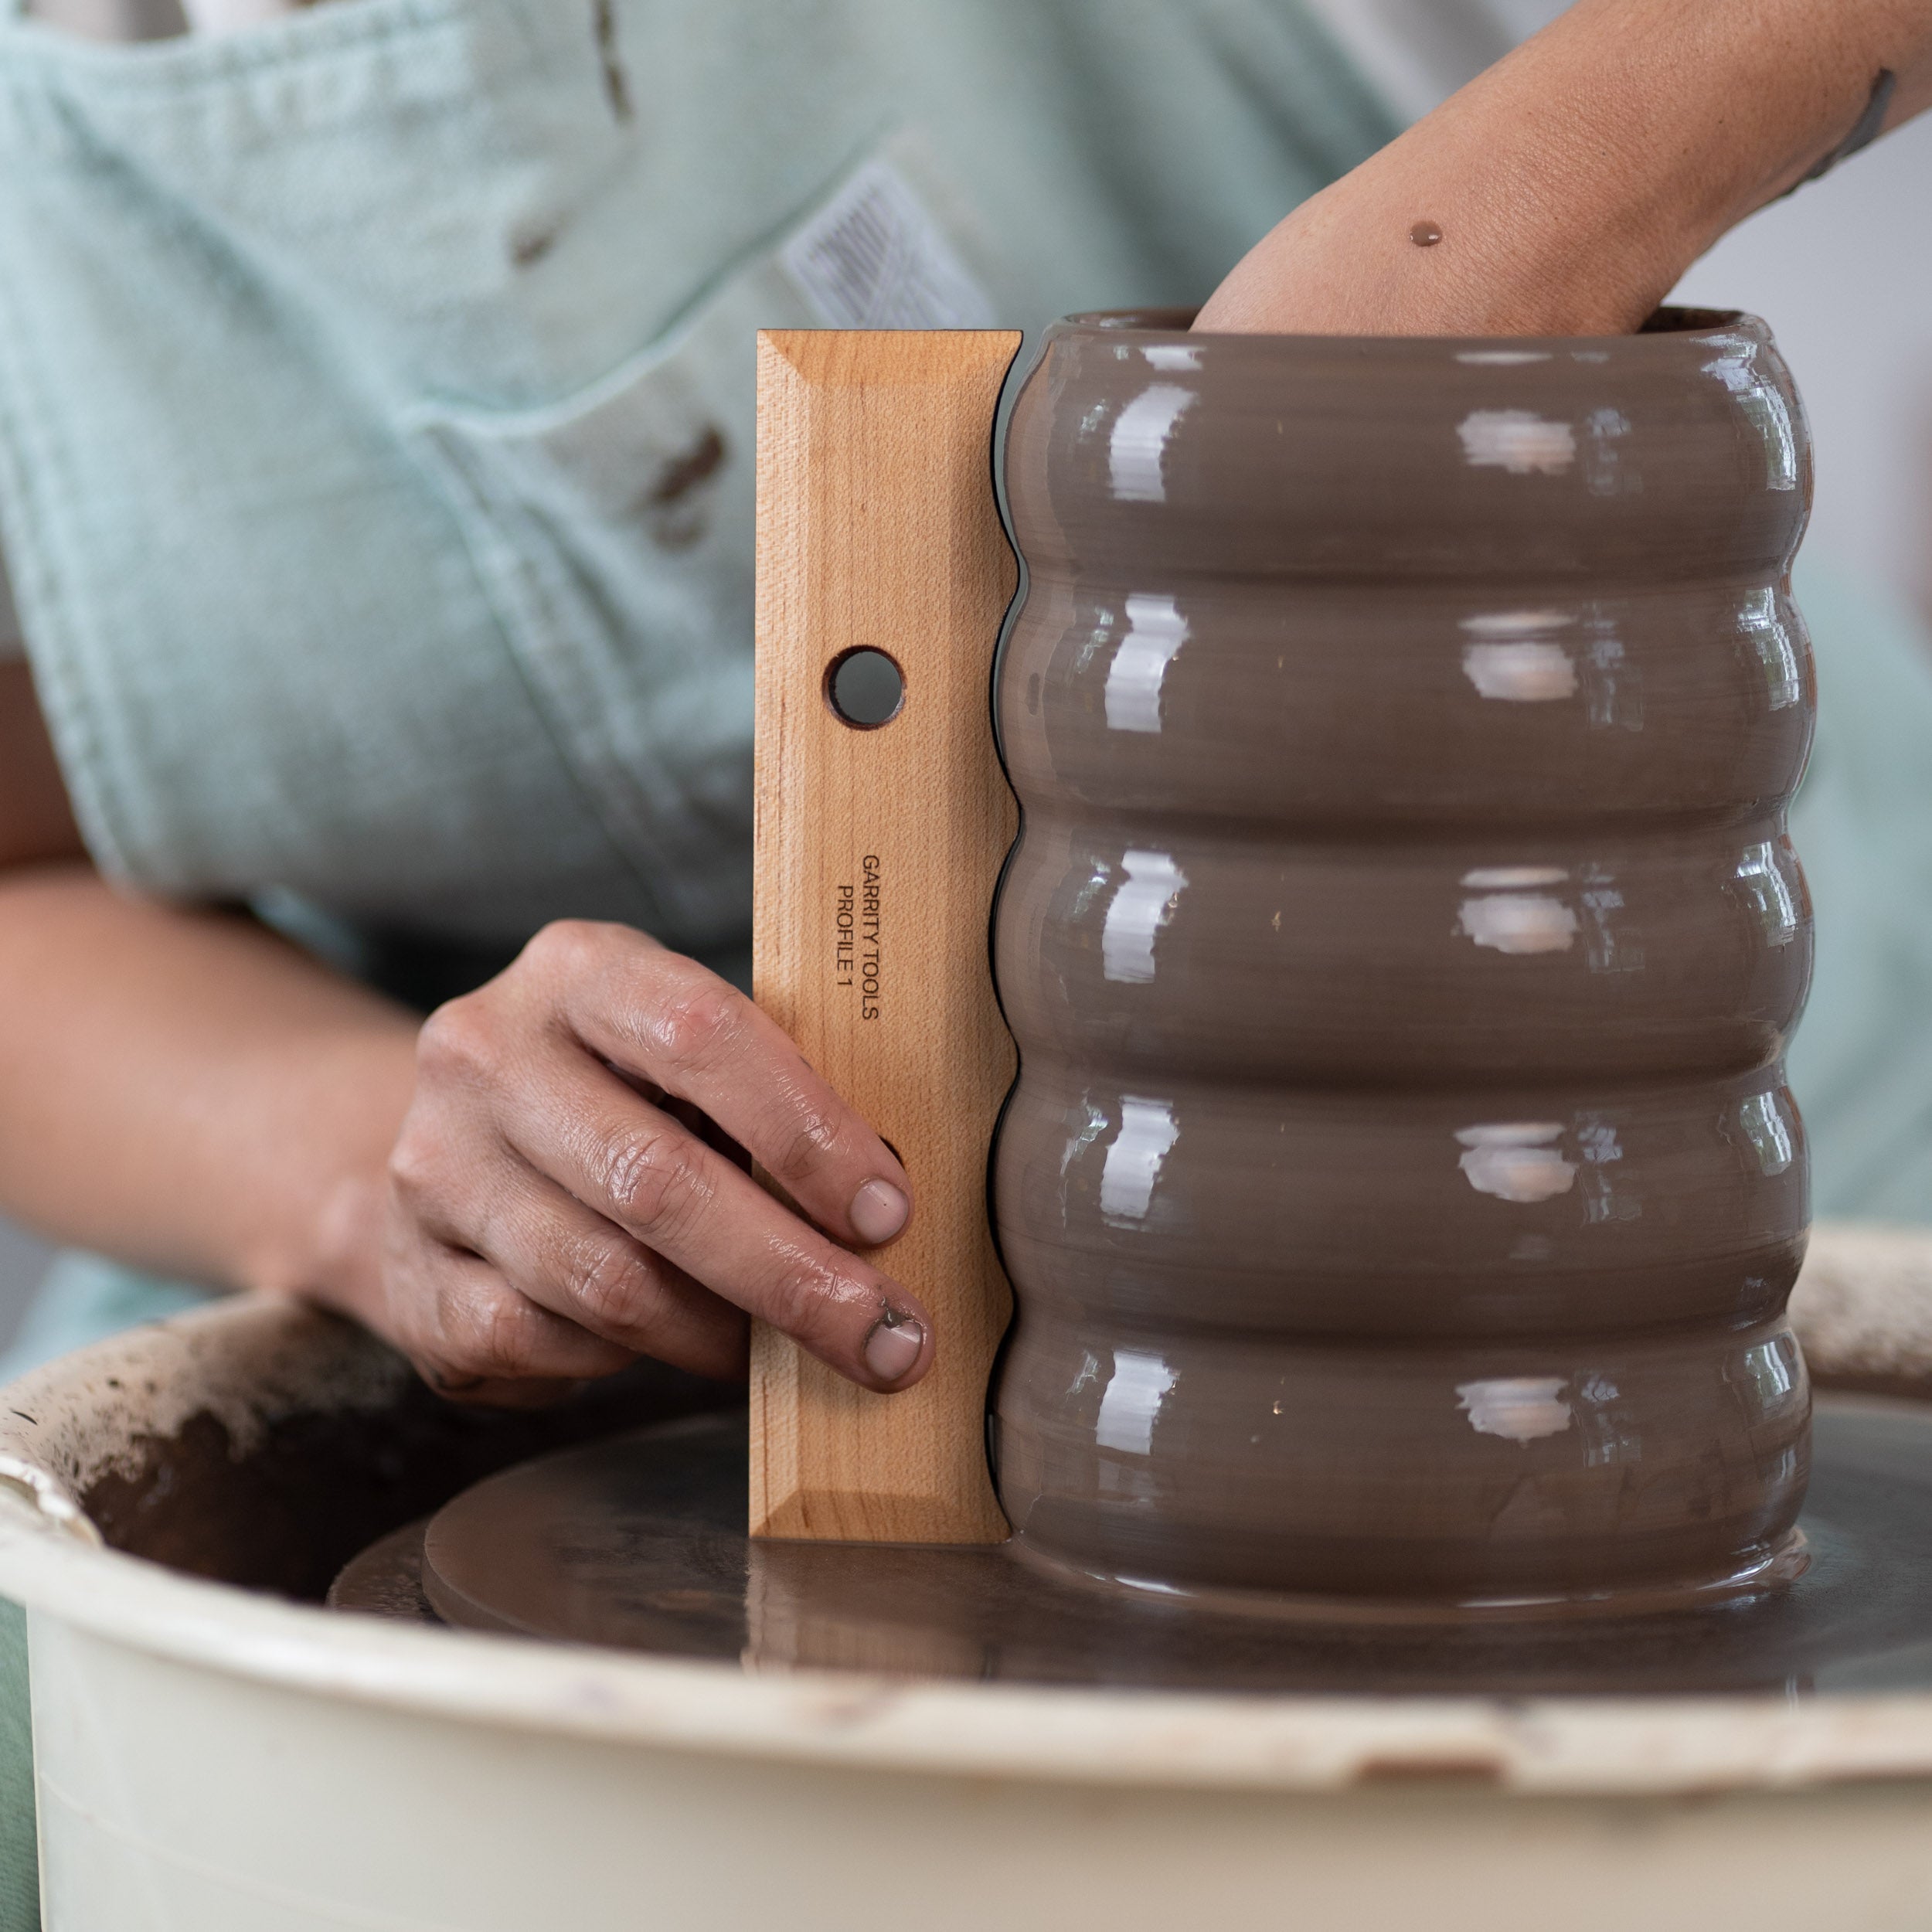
(493, 1192)
(1572, 183)
(183, 1089)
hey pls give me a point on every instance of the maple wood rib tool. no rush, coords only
(878, 847)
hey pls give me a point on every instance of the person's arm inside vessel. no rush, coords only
(1564, 191)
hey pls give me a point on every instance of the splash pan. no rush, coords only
(216, 1749)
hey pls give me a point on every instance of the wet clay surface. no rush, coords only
(638, 1544)
(1401, 1192)
(386, 1579)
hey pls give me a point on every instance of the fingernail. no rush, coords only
(877, 1212)
(894, 1345)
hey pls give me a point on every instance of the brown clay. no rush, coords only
(1401, 1191)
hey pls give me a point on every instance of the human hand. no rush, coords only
(555, 1209)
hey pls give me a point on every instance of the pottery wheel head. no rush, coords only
(637, 1542)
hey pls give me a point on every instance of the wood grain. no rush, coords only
(877, 527)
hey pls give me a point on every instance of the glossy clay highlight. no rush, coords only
(1401, 1190)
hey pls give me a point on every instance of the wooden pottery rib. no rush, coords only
(877, 852)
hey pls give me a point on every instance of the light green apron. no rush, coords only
(375, 408)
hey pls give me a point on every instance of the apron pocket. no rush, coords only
(615, 529)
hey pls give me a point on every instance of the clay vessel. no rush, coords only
(1401, 1190)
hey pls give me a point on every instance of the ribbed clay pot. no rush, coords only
(1401, 1191)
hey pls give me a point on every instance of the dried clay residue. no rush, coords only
(284, 1511)
(671, 505)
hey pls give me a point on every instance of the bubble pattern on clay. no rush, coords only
(1401, 1190)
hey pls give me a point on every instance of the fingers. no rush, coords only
(473, 1338)
(557, 1254)
(550, 1219)
(655, 1014)
(633, 1166)
(495, 1274)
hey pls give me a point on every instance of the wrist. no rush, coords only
(318, 1230)
(334, 1258)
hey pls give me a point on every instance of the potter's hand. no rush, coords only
(554, 1213)
(1565, 191)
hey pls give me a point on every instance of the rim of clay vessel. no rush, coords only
(1408, 458)
(1670, 320)
(1866, 1317)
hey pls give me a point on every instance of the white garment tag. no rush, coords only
(873, 257)
(234, 16)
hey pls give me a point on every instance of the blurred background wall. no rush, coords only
(1841, 272)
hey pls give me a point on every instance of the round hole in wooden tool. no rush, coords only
(865, 688)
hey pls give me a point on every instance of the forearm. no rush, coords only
(1574, 182)
(188, 1093)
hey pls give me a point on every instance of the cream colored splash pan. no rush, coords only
(212, 1761)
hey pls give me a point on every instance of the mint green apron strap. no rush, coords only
(19, 1858)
